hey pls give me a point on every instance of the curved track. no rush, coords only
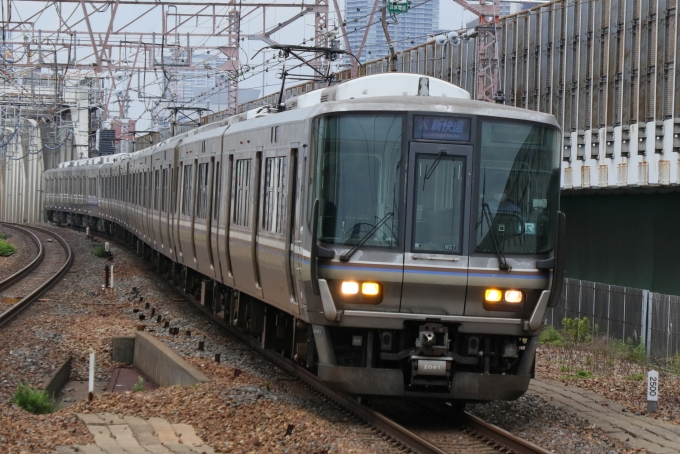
(52, 262)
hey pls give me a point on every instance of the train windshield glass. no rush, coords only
(518, 187)
(358, 162)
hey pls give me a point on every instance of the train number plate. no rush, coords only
(431, 367)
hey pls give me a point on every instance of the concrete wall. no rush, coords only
(163, 366)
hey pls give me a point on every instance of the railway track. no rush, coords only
(460, 433)
(52, 262)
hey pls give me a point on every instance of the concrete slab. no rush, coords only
(177, 448)
(103, 439)
(164, 431)
(77, 391)
(91, 419)
(111, 418)
(123, 436)
(187, 435)
(143, 432)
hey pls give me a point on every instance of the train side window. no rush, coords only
(274, 194)
(242, 199)
(217, 191)
(164, 188)
(187, 189)
(202, 191)
(156, 186)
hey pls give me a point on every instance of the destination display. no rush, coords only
(441, 128)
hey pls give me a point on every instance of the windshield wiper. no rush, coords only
(347, 255)
(502, 263)
(430, 171)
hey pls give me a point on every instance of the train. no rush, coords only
(389, 233)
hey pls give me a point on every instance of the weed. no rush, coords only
(578, 330)
(565, 369)
(584, 374)
(636, 377)
(267, 386)
(196, 386)
(6, 249)
(550, 336)
(139, 386)
(3, 236)
(589, 361)
(100, 251)
(37, 401)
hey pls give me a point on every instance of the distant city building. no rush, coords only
(411, 28)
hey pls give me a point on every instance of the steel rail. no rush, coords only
(26, 301)
(502, 437)
(19, 275)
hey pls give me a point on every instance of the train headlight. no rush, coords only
(370, 288)
(349, 288)
(514, 296)
(493, 295)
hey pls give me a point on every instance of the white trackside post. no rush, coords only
(106, 246)
(652, 390)
(90, 395)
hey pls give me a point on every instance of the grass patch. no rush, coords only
(6, 249)
(565, 369)
(3, 236)
(100, 251)
(36, 401)
(139, 386)
(584, 374)
(636, 377)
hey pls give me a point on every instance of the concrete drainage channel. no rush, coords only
(150, 358)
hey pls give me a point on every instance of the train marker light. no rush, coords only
(513, 296)
(493, 295)
(370, 288)
(349, 288)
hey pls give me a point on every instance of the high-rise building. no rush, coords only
(411, 28)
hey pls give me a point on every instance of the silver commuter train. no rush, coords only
(389, 233)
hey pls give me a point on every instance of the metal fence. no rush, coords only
(623, 313)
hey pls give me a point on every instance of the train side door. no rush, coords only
(438, 210)
(243, 230)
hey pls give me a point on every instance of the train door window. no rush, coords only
(156, 187)
(217, 191)
(202, 191)
(175, 189)
(275, 134)
(187, 189)
(242, 181)
(164, 188)
(274, 194)
(145, 189)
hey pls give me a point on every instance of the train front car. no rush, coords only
(434, 225)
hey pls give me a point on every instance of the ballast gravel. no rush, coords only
(249, 406)
(26, 251)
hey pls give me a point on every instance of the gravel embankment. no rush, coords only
(26, 251)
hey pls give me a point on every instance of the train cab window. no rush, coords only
(202, 191)
(217, 191)
(358, 167)
(164, 189)
(242, 196)
(187, 187)
(156, 187)
(518, 189)
(274, 194)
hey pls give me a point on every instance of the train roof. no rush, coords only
(401, 91)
